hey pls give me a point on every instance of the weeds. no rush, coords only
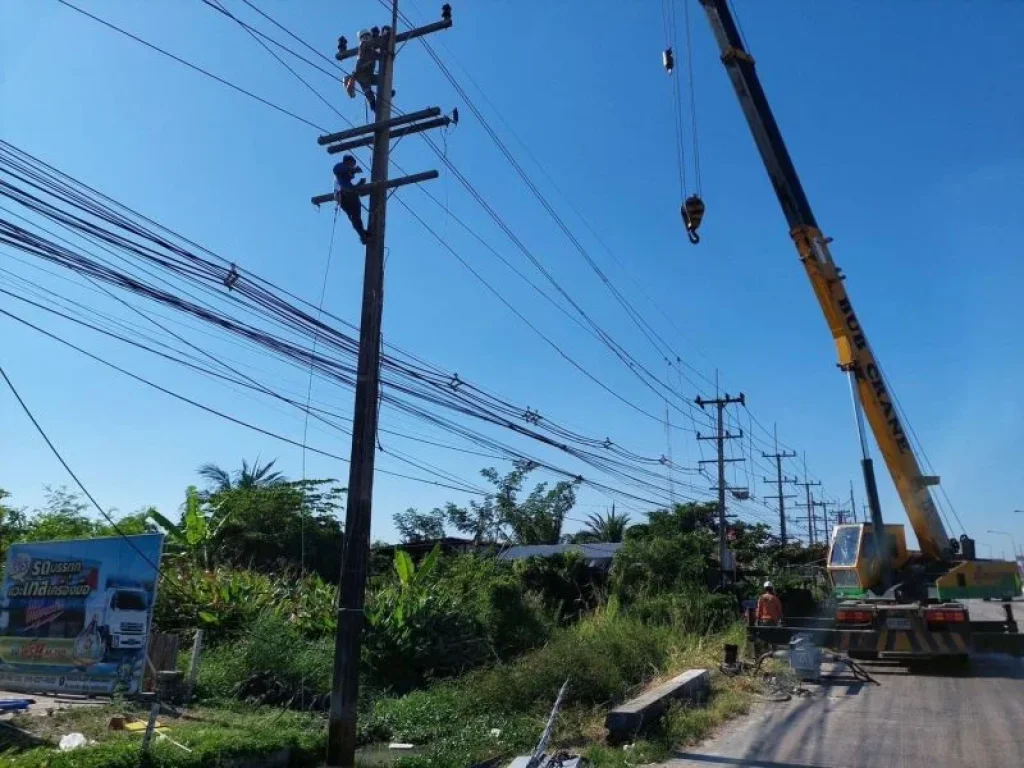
(213, 736)
(608, 657)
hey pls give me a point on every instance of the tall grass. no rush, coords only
(607, 656)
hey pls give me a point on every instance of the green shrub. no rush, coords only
(565, 584)
(445, 617)
(273, 664)
(694, 611)
(227, 602)
(656, 565)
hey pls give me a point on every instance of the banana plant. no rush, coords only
(194, 535)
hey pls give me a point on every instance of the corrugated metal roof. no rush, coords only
(599, 552)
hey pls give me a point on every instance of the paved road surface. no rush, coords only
(921, 720)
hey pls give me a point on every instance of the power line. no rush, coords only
(270, 104)
(188, 64)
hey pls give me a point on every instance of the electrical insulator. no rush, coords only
(693, 214)
(446, 12)
(668, 60)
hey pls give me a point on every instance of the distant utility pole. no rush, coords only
(341, 731)
(720, 403)
(824, 505)
(853, 505)
(778, 481)
(809, 506)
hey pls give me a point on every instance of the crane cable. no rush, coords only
(692, 208)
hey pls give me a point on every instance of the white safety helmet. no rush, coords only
(364, 33)
(768, 585)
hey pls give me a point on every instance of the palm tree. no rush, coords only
(609, 527)
(255, 476)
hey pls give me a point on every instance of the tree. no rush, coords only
(12, 524)
(284, 526)
(609, 527)
(191, 539)
(682, 518)
(248, 477)
(62, 516)
(537, 520)
(420, 526)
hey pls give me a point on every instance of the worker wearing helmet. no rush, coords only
(365, 73)
(347, 196)
(769, 607)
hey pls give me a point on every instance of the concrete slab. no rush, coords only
(626, 719)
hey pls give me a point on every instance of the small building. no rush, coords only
(450, 545)
(598, 555)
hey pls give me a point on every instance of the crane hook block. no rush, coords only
(692, 212)
(668, 60)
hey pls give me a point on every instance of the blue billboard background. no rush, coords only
(75, 615)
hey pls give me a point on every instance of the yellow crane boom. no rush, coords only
(871, 393)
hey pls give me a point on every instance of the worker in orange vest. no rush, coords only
(769, 607)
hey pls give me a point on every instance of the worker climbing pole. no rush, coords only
(692, 207)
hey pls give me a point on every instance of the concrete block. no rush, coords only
(626, 719)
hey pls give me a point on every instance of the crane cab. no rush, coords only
(853, 563)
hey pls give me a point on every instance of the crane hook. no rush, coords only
(692, 212)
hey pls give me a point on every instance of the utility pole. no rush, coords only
(809, 506)
(341, 730)
(720, 403)
(853, 504)
(778, 481)
(824, 505)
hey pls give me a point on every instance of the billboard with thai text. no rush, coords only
(75, 615)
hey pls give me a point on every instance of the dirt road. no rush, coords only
(927, 719)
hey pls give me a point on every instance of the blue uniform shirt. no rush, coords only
(343, 177)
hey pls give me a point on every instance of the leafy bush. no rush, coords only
(658, 565)
(227, 602)
(445, 617)
(567, 586)
(273, 664)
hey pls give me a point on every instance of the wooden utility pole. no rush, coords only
(720, 403)
(779, 480)
(341, 729)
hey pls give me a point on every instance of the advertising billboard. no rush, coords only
(75, 615)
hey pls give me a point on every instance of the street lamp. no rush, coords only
(1012, 540)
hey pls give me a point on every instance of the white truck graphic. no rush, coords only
(120, 614)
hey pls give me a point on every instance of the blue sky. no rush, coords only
(903, 120)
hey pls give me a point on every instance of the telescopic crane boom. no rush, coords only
(870, 391)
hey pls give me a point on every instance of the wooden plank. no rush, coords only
(628, 718)
(163, 655)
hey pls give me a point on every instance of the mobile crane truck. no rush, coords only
(891, 602)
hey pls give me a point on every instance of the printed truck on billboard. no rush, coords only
(75, 615)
